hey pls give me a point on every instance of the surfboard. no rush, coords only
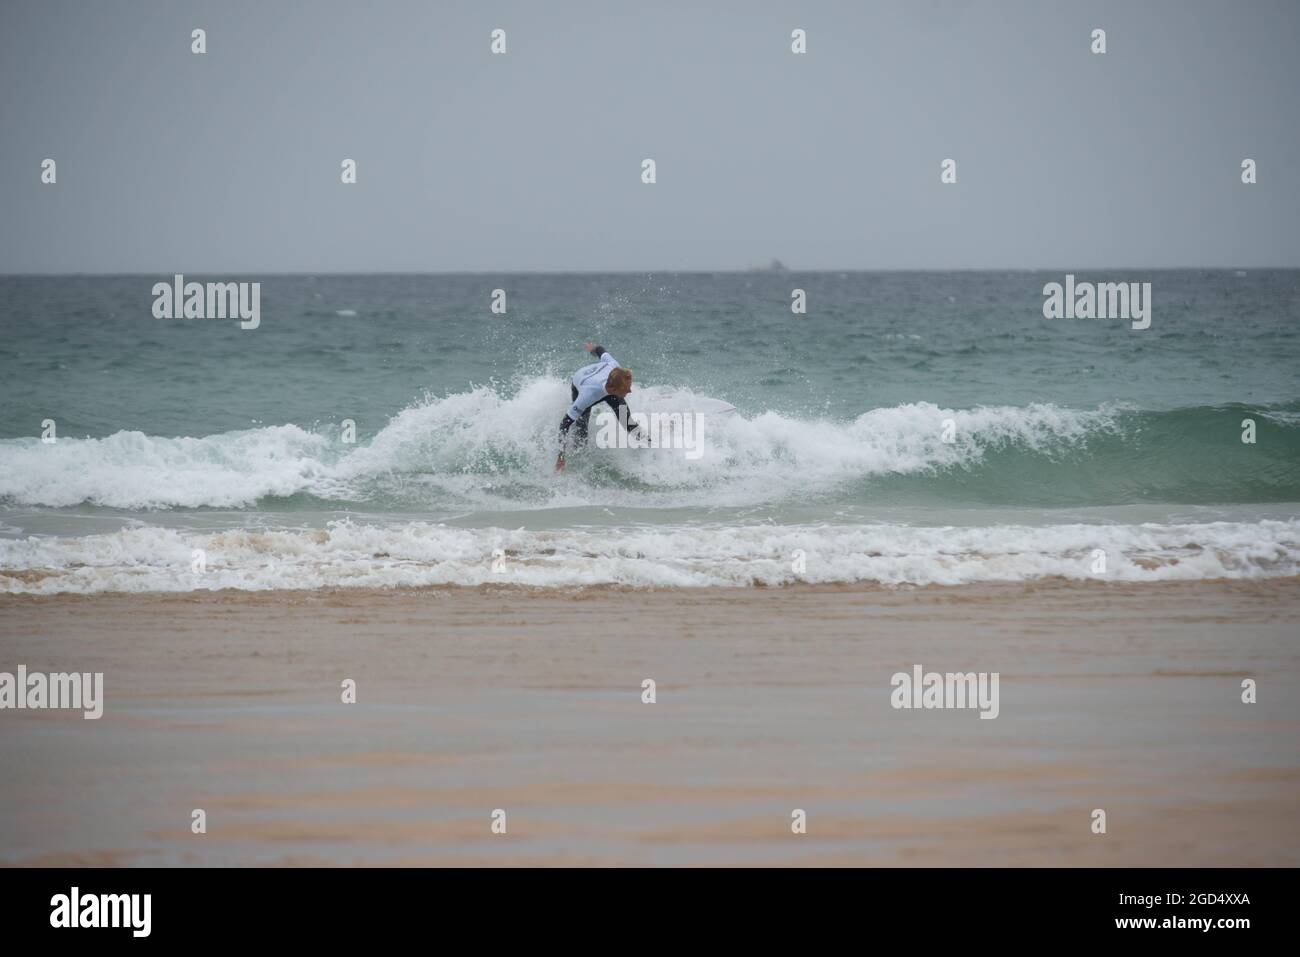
(666, 399)
(670, 418)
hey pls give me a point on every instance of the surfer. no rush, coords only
(602, 381)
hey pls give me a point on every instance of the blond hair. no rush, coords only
(619, 379)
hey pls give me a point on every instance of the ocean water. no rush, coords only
(1066, 437)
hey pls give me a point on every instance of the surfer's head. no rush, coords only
(619, 382)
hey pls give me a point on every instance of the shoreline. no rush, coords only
(1051, 583)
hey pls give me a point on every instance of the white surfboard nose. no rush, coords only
(667, 399)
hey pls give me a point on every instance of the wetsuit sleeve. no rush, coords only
(597, 351)
(622, 413)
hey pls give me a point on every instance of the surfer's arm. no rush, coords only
(600, 352)
(622, 413)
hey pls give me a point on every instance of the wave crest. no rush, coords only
(485, 449)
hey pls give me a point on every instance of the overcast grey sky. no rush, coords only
(229, 162)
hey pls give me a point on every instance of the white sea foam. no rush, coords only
(490, 450)
(145, 559)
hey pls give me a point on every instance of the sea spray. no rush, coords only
(490, 450)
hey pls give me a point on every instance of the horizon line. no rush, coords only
(762, 270)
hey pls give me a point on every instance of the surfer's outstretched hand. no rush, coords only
(559, 464)
(587, 346)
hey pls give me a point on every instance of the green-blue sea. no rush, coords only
(911, 428)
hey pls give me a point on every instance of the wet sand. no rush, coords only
(1124, 698)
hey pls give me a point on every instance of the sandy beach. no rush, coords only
(1120, 697)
